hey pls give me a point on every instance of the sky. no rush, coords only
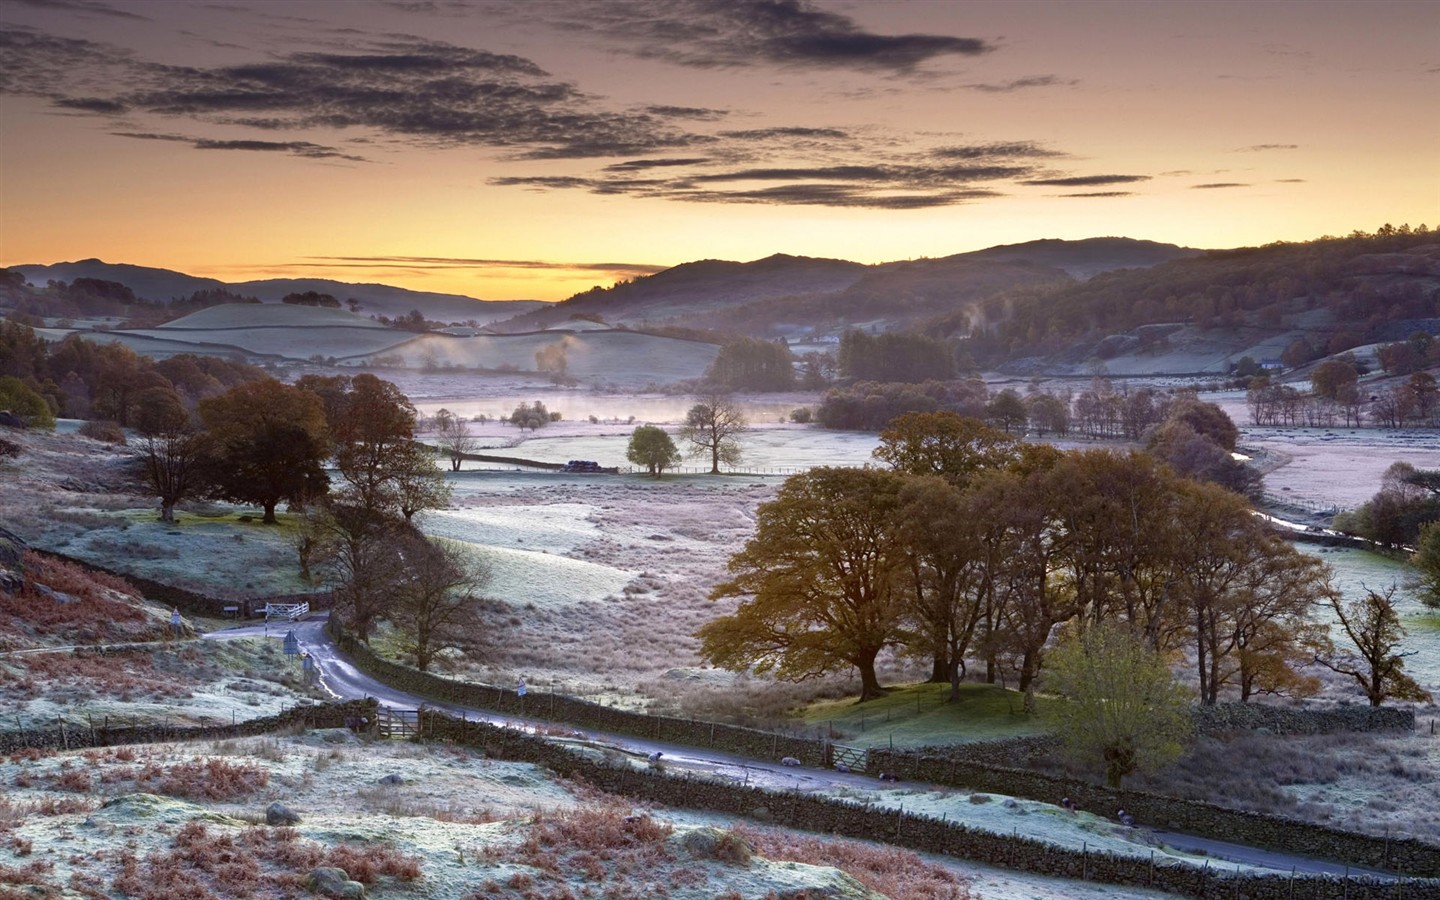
(531, 150)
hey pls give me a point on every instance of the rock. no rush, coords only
(392, 778)
(700, 843)
(278, 813)
(12, 549)
(10, 420)
(57, 596)
(760, 814)
(333, 882)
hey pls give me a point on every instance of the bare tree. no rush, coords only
(439, 605)
(173, 449)
(453, 436)
(1379, 664)
(713, 427)
(360, 553)
(419, 483)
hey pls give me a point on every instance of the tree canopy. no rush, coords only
(652, 448)
(821, 578)
(712, 428)
(1124, 712)
(269, 441)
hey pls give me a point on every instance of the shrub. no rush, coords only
(212, 779)
(104, 430)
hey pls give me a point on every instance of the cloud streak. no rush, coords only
(449, 262)
(298, 148)
(1086, 180)
(748, 33)
(320, 104)
(424, 92)
(1020, 84)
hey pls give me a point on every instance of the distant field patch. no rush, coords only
(291, 341)
(261, 315)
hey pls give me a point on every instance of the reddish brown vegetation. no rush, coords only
(211, 779)
(124, 675)
(896, 873)
(100, 607)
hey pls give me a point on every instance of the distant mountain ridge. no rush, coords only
(782, 295)
(162, 285)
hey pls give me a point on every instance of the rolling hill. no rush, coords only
(796, 296)
(163, 285)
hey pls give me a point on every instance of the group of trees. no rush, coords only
(95, 297)
(1194, 437)
(1265, 286)
(975, 547)
(81, 379)
(532, 416)
(265, 442)
(1336, 398)
(894, 357)
(749, 364)
(1408, 501)
(711, 430)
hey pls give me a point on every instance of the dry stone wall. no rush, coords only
(1191, 817)
(299, 718)
(584, 714)
(985, 772)
(921, 833)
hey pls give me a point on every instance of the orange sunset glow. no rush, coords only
(507, 150)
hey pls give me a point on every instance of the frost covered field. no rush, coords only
(189, 820)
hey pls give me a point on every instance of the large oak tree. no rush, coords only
(269, 441)
(821, 580)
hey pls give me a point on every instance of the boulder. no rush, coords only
(392, 778)
(278, 813)
(333, 882)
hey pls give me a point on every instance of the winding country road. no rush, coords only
(341, 679)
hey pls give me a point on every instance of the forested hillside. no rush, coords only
(1342, 292)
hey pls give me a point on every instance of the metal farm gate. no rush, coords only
(396, 724)
(853, 758)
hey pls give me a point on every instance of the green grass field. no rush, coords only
(917, 715)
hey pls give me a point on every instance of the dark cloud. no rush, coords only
(92, 105)
(1020, 84)
(737, 33)
(402, 89)
(839, 195)
(765, 134)
(1290, 181)
(1087, 180)
(430, 7)
(83, 7)
(1217, 184)
(1099, 194)
(908, 184)
(638, 165)
(418, 91)
(298, 148)
(1260, 148)
(447, 262)
(999, 150)
(698, 113)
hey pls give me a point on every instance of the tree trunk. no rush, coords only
(167, 511)
(869, 684)
(939, 668)
(269, 518)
